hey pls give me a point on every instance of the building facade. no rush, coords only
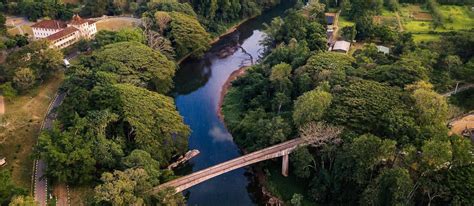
(62, 34)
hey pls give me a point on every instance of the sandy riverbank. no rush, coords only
(228, 83)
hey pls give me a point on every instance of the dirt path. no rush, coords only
(400, 26)
(237, 73)
(2, 106)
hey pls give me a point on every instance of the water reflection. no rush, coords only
(197, 92)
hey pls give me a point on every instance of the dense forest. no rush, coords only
(379, 118)
(392, 145)
(117, 127)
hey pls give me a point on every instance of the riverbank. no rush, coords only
(225, 88)
(230, 30)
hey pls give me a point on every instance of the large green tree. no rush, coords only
(135, 63)
(187, 35)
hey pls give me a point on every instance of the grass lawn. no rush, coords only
(26, 30)
(20, 127)
(426, 37)
(343, 22)
(457, 17)
(115, 24)
(285, 187)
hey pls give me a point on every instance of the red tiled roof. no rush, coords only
(64, 32)
(91, 21)
(50, 24)
(77, 20)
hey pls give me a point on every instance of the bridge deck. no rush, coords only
(190, 180)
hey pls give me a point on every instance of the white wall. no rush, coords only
(39, 33)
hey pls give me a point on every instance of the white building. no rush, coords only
(62, 34)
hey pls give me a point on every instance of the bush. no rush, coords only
(7, 90)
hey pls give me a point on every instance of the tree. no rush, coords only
(401, 73)
(129, 187)
(311, 106)
(3, 27)
(326, 66)
(297, 199)
(168, 196)
(368, 106)
(302, 162)
(148, 120)
(23, 201)
(280, 76)
(39, 57)
(259, 130)
(369, 151)
(391, 187)
(162, 20)
(136, 64)
(187, 35)
(69, 155)
(8, 189)
(24, 79)
(432, 111)
(142, 159)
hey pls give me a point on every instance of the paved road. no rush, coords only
(275, 151)
(41, 183)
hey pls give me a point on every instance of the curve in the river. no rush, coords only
(198, 88)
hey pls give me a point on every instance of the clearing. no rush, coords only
(419, 21)
(20, 128)
(117, 23)
(459, 125)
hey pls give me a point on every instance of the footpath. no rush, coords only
(2, 106)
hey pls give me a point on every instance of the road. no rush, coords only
(41, 183)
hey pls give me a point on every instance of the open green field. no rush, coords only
(418, 20)
(20, 126)
(115, 24)
(343, 22)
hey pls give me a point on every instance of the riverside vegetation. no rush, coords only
(117, 127)
(394, 148)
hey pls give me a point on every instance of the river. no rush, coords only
(197, 93)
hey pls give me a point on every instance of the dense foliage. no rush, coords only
(394, 148)
(116, 121)
(30, 65)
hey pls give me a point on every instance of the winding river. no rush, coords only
(198, 89)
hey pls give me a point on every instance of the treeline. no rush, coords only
(35, 9)
(379, 126)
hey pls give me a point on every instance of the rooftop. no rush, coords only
(383, 49)
(77, 20)
(62, 33)
(342, 46)
(50, 24)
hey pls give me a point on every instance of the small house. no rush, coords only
(330, 18)
(3, 161)
(341, 46)
(383, 49)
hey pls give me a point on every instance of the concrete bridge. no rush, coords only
(279, 150)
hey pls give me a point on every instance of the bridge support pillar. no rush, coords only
(284, 165)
